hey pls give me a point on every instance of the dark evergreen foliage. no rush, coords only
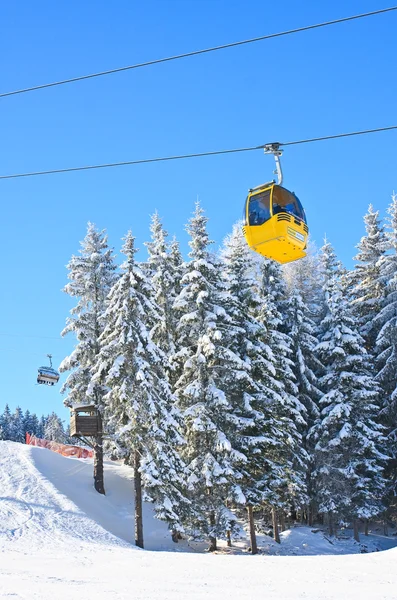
(14, 426)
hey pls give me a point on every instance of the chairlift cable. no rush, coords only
(197, 52)
(195, 155)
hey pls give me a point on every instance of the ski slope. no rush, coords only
(59, 539)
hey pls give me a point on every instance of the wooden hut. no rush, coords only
(85, 421)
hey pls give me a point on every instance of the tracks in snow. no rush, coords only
(33, 512)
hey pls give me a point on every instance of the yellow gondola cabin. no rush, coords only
(274, 220)
(275, 223)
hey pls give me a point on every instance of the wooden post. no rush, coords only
(276, 535)
(98, 465)
(138, 501)
(355, 530)
(254, 546)
(99, 483)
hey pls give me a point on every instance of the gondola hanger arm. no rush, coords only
(274, 148)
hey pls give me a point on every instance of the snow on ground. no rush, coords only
(59, 539)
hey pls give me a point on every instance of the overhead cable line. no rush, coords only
(37, 337)
(195, 155)
(29, 353)
(338, 135)
(197, 52)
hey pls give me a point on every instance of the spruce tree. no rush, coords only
(34, 425)
(138, 401)
(386, 347)
(18, 429)
(255, 392)
(178, 269)
(41, 427)
(288, 491)
(207, 368)
(91, 275)
(28, 422)
(369, 287)
(6, 423)
(54, 430)
(303, 308)
(176, 266)
(304, 277)
(348, 452)
(163, 268)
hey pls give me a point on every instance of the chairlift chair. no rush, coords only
(47, 375)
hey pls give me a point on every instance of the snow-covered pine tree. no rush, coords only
(41, 426)
(255, 393)
(369, 287)
(304, 276)
(138, 402)
(18, 430)
(208, 369)
(348, 452)
(163, 268)
(15, 426)
(178, 270)
(33, 425)
(28, 423)
(6, 423)
(303, 308)
(289, 491)
(91, 276)
(177, 265)
(386, 347)
(54, 430)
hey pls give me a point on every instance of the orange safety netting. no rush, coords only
(64, 449)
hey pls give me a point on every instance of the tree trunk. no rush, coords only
(385, 528)
(331, 523)
(175, 536)
(228, 538)
(355, 530)
(212, 546)
(282, 521)
(276, 534)
(366, 526)
(310, 512)
(98, 464)
(254, 547)
(138, 501)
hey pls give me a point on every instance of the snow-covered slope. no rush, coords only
(59, 539)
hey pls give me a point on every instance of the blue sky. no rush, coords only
(321, 82)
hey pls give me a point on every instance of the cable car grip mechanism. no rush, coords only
(274, 148)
